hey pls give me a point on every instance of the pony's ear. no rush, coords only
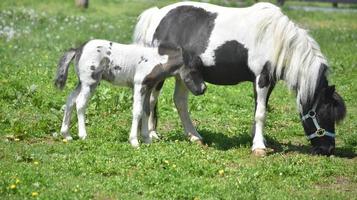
(330, 90)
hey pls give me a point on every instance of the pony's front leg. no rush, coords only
(262, 93)
(180, 99)
(138, 101)
(81, 104)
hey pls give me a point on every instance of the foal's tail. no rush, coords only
(62, 68)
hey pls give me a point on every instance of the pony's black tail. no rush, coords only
(62, 68)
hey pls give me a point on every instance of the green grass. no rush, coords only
(106, 167)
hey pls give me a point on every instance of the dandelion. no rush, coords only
(34, 194)
(166, 161)
(221, 172)
(64, 140)
(12, 186)
(17, 181)
(16, 139)
(36, 163)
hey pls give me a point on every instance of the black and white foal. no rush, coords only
(140, 68)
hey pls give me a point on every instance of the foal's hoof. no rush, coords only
(68, 138)
(134, 143)
(153, 135)
(259, 152)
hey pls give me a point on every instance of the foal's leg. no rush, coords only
(81, 104)
(262, 93)
(146, 93)
(180, 99)
(138, 101)
(68, 113)
(152, 123)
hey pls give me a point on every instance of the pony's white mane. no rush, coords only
(296, 57)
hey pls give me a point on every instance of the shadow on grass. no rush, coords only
(223, 142)
(342, 152)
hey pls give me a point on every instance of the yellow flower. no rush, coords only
(16, 139)
(221, 172)
(17, 181)
(64, 140)
(174, 166)
(166, 161)
(12, 186)
(34, 194)
(36, 163)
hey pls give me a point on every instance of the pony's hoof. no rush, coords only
(200, 142)
(147, 140)
(259, 152)
(197, 140)
(153, 135)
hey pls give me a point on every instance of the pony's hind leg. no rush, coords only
(81, 104)
(262, 91)
(68, 113)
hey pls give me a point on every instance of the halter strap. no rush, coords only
(320, 132)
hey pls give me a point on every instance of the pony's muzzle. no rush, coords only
(323, 150)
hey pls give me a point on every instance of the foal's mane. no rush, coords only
(296, 57)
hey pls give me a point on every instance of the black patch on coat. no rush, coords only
(110, 43)
(117, 67)
(186, 26)
(231, 65)
(98, 50)
(103, 65)
(109, 75)
(92, 67)
(108, 53)
(265, 78)
(142, 59)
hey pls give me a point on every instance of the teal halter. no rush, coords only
(320, 132)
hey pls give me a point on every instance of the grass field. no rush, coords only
(33, 164)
